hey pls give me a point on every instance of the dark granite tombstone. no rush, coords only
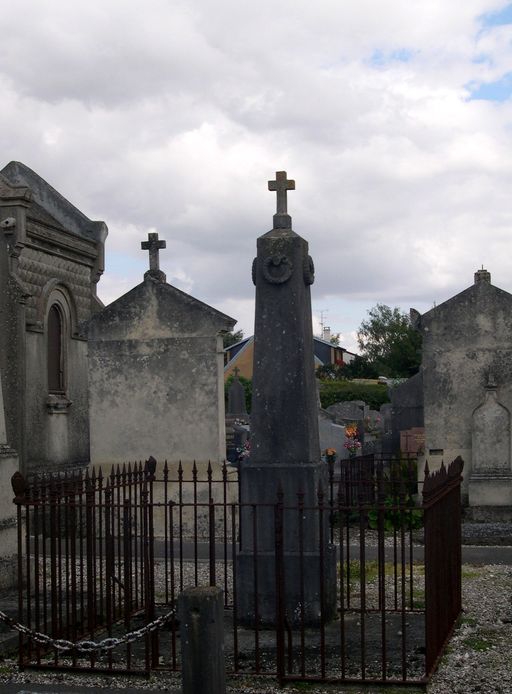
(285, 449)
(407, 407)
(236, 396)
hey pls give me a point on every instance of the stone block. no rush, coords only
(201, 615)
(490, 490)
(301, 585)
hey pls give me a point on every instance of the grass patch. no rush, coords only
(470, 573)
(477, 643)
(418, 599)
(470, 621)
(371, 571)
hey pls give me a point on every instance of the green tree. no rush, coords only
(231, 338)
(374, 394)
(330, 372)
(389, 342)
(360, 367)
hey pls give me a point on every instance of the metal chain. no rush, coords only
(87, 646)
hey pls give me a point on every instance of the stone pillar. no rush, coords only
(201, 615)
(285, 448)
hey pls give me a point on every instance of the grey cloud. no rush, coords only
(173, 116)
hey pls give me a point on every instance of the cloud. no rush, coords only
(173, 116)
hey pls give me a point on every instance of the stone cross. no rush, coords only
(153, 245)
(281, 185)
(236, 371)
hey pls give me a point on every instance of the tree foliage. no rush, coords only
(231, 338)
(360, 367)
(330, 372)
(389, 342)
(374, 394)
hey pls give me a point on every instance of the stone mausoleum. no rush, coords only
(467, 390)
(51, 258)
(81, 382)
(156, 366)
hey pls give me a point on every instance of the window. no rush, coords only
(55, 351)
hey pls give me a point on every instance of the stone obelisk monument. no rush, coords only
(285, 449)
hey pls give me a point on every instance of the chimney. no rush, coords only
(327, 334)
(482, 276)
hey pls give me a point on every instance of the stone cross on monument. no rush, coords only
(153, 245)
(281, 185)
(285, 448)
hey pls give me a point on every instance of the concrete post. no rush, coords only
(201, 615)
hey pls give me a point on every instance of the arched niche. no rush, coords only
(491, 434)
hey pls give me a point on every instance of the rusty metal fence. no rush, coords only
(102, 559)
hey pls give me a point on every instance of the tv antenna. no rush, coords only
(322, 319)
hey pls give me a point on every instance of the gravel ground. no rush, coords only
(477, 659)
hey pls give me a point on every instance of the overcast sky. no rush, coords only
(393, 117)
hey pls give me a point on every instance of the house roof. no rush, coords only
(247, 341)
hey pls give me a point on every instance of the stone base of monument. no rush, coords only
(297, 486)
(308, 588)
(280, 503)
(488, 489)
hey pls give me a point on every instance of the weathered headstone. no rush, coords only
(372, 432)
(236, 396)
(407, 407)
(386, 413)
(332, 435)
(285, 447)
(348, 411)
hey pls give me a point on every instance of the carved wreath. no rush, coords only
(277, 269)
(309, 270)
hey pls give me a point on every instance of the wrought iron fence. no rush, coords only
(102, 556)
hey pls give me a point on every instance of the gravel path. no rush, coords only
(478, 658)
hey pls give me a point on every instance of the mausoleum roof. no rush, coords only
(467, 295)
(48, 202)
(155, 309)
